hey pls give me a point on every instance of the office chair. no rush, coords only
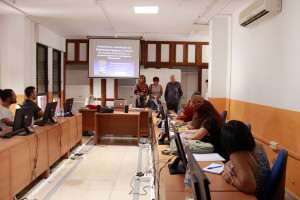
(275, 186)
(224, 114)
(249, 126)
(179, 111)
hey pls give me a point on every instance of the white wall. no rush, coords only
(218, 61)
(49, 38)
(265, 60)
(16, 52)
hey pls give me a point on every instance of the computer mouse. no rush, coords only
(41, 125)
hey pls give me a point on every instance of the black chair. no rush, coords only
(249, 126)
(0, 129)
(224, 114)
(275, 186)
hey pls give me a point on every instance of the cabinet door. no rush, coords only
(191, 53)
(179, 53)
(165, 53)
(151, 53)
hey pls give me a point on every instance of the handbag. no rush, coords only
(196, 146)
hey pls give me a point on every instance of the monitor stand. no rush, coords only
(176, 167)
(163, 141)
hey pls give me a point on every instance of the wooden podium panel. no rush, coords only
(4, 174)
(117, 124)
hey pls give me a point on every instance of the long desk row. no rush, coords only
(172, 186)
(24, 158)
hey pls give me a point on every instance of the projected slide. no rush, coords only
(114, 58)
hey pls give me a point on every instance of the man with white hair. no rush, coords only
(173, 94)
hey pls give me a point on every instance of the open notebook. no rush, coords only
(208, 157)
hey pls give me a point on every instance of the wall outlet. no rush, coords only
(273, 145)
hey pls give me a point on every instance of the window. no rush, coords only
(56, 77)
(42, 75)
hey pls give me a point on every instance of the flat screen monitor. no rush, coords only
(68, 107)
(23, 118)
(49, 112)
(176, 167)
(200, 182)
(162, 140)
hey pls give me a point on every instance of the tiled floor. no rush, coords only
(104, 173)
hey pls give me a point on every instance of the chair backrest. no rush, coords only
(224, 114)
(0, 129)
(275, 186)
(249, 126)
(179, 111)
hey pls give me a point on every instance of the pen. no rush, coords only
(214, 167)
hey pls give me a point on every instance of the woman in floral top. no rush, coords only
(141, 92)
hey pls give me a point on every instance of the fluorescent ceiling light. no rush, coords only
(146, 9)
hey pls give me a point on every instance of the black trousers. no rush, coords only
(173, 106)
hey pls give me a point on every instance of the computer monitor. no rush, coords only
(162, 140)
(49, 112)
(22, 122)
(68, 107)
(176, 167)
(200, 182)
(162, 116)
(23, 119)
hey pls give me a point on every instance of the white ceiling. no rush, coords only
(176, 19)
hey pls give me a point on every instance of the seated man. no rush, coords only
(8, 97)
(30, 97)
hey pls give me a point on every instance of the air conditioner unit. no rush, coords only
(259, 11)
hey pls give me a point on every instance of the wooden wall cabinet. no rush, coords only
(77, 52)
(158, 54)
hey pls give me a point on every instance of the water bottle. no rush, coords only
(163, 128)
(62, 112)
(189, 195)
(169, 121)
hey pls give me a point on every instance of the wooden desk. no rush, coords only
(88, 120)
(172, 186)
(117, 123)
(24, 158)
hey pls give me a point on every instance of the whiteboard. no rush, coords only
(163, 75)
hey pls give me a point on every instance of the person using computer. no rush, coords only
(173, 94)
(8, 97)
(30, 94)
(248, 168)
(210, 127)
(188, 112)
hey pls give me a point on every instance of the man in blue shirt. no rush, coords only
(30, 97)
(173, 94)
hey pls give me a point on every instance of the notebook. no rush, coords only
(214, 168)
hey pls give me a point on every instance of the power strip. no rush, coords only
(145, 178)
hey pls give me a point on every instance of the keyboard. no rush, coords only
(13, 133)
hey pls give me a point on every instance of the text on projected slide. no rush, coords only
(114, 60)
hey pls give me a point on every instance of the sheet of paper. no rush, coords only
(208, 157)
(214, 168)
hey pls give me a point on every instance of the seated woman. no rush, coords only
(210, 128)
(248, 168)
(141, 92)
(188, 112)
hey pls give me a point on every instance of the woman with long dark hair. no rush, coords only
(210, 127)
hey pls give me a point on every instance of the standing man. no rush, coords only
(173, 94)
(30, 94)
(8, 97)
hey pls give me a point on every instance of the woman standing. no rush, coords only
(141, 92)
(155, 92)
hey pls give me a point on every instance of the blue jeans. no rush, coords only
(153, 105)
